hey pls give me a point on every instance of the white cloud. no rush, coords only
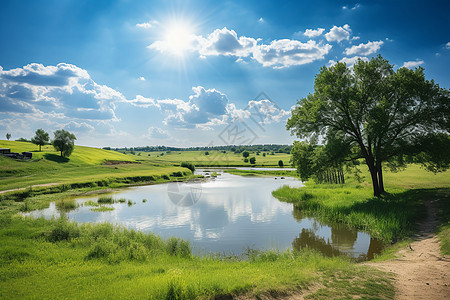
(413, 64)
(157, 133)
(141, 101)
(337, 34)
(364, 49)
(65, 89)
(265, 111)
(447, 46)
(314, 32)
(142, 78)
(278, 54)
(226, 42)
(261, 20)
(147, 25)
(286, 53)
(357, 5)
(349, 61)
(80, 127)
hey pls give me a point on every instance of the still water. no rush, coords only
(225, 215)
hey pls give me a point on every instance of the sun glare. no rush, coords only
(178, 38)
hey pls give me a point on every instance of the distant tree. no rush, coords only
(106, 148)
(264, 154)
(41, 138)
(245, 154)
(162, 154)
(252, 160)
(280, 163)
(272, 153)
(64, 142)
(246, 160)
(139, 154)
(149, 154)
(383, 113)
(8, 136)
(206, 153)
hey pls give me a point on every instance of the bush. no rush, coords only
(280, 163)
(188, 165)
(64, 231)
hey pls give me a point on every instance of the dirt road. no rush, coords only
(421, 271)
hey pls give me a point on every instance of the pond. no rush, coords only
(226, 214)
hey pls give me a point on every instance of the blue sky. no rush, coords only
(191, 73)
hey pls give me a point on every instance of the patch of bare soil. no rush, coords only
(33, 186)
(421, 271)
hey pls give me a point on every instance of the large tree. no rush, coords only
(386, 114)
(41, 138)
(64, 142)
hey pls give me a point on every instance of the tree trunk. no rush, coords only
(61, 153)
(376, 187)
(380, 177)
(39, 148)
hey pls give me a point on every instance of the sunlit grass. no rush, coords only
(105, 261)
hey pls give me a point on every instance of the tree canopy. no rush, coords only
(384, 114)
(41, 138)
(64, 142)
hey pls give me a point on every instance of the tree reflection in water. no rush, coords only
(341, 241)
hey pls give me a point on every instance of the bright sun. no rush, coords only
(178, 38)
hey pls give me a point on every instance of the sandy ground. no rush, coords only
(421, 271)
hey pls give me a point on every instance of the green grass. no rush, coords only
(85, 166)
(280, 172)
(390, 218)
(214, 159)
(39, 257)
(54, 258)
(103, 208)
(444, 216)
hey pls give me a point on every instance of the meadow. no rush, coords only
(56, 258)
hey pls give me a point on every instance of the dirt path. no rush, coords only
(421, 271)
(33, 186)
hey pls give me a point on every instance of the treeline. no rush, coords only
(233, 148)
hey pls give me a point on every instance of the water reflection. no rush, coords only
(224, 215)
(341, 240)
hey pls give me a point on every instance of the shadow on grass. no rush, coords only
(56, 158)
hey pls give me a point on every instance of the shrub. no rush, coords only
(106, 200)
(64, 230)
(188, 165)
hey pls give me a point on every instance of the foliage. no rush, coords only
(280, 163)
(381, 112)
(252, 160)
(41, 138)
(8, 136)
(245, 154)
(64, 142)
(188, 165)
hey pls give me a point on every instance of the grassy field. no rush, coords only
(85, 165)
(58, 259)
(214, 158)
